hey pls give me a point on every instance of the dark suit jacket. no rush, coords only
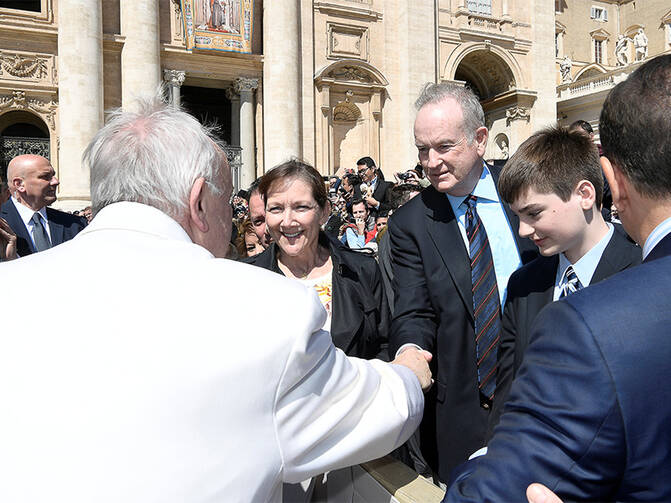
(382, 193)
(589, 413)
(433, 308)
(530, 289)
(62, 226)
(360, 315)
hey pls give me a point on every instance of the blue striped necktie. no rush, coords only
(486, 303)
(572, 283)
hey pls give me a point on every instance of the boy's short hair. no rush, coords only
(552, 160)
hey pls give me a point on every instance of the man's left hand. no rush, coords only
(372, 202)
(538, 493)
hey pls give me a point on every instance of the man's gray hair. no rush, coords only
(153, 156)
(474, 116)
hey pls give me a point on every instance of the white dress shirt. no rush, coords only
(26, 215)
(657, 234)
(585, 266)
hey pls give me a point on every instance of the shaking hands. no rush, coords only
(417, 361)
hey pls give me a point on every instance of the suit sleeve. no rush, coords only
(414, 319)
(333, 411)
(561, 425)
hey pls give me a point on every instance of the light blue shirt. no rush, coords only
(353, 240)
(585, 266)
(499, 231)
(657, 234)
(26, 215)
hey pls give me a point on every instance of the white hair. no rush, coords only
(153, 156)
(474, 116)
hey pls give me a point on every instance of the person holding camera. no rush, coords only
(361, 230)
(374, 189)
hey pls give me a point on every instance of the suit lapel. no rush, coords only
(613, 259)
(24, 242)
(56, 229)
(444, 231)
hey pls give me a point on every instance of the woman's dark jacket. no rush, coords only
(359, 309)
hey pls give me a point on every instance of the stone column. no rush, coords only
(140, 56)
(174, 79)
(234, 98)
(281, 75)
(245, 88)
(80, 94)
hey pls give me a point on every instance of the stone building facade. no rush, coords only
(599, 43)
(327, 81)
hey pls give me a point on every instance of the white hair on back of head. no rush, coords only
(152, 155)
(474, 116)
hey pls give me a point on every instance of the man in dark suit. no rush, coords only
(32, 181)
(378, 198)
(589, 413)
(554, 184)
(432, 252)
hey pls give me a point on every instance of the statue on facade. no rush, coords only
(621, 50)
(565, 69)
(641, 45)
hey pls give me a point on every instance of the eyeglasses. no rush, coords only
(362, 171)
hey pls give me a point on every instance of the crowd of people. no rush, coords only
(523, 310)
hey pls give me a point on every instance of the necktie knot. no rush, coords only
(571, 284)
(37, 218)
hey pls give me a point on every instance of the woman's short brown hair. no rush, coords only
(295, 170)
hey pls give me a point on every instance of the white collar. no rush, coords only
(26, 213)
(656, 236)
(139, 217)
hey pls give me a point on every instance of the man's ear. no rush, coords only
(585, 190)
(617, 182)
(16, 184)
(197, 215)
(481, 135)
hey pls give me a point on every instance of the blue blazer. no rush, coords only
(589, 414)
(62, 226)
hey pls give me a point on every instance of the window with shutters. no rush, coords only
(598, 51)
(480, 6)
(599, 14)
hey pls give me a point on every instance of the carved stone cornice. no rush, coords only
(232, 94)
(174, 77)
(19, 101)
(517, 113)
(245, 84)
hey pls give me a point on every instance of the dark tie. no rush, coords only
(40, 235)
(486, 303)
(572, 284)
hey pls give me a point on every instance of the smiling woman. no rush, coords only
(348, 283)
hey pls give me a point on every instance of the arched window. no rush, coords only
(480, 6)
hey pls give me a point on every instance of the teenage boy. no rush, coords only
(554, 184)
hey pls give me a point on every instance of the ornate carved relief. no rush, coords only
(350, 73)
(517, 113)
(27, 67)
(347, 41)
(174, 77)
(18, 101)
(245, 84)
(346, 111)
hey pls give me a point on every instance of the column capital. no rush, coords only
(232, 93)
(242, 84)
(174, 77)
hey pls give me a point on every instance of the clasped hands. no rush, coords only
(418, 361)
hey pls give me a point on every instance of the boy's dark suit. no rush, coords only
(530, 289)
(588, 414)
(62, 226)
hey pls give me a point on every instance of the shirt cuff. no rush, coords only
(406, 346)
